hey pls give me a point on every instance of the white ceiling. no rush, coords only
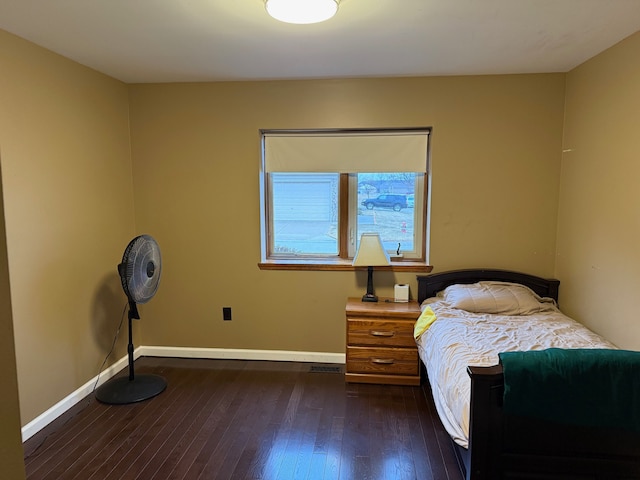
(212, 40)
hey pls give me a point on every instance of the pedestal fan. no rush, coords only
(140, 275)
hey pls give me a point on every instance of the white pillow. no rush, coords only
(493, 297)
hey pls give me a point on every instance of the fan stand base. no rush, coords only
(121, 390)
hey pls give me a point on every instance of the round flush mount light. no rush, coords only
(302, 11)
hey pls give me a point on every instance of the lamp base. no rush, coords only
(369, 297)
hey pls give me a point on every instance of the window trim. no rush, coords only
(343, 261)
(340, 265)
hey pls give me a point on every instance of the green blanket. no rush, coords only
(588, 387)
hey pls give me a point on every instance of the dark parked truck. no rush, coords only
(397, 202)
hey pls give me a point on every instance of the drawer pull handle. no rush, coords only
(382, 361)
(378, 333)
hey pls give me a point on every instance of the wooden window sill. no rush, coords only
(340, 265)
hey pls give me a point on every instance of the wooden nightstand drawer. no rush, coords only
(395, 333)
(380, 345)
(389, 361)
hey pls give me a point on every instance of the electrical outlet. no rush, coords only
(226, 313)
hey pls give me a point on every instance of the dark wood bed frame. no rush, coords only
(508, 447)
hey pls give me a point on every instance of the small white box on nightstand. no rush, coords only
(401, 292)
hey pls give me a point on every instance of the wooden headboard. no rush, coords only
(430, 285)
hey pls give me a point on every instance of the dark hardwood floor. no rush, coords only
(233, 419)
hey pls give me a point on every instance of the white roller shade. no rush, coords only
(384, 151)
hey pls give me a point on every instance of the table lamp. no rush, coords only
(370, 254)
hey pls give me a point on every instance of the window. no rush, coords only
(304, 212)
(322, 189)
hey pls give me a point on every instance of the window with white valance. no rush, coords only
(321, 189)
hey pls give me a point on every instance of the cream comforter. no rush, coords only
(459, 338)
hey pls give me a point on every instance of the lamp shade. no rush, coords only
(302, 11)
(370, 252)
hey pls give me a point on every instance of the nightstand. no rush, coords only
(380, 343)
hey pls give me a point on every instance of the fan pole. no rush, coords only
(133, 313)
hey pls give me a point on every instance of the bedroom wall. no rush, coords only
(496, 164)
(599, 209)
(11, 453)
(68, 202)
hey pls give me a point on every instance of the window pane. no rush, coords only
(386, 206)
(304, 208)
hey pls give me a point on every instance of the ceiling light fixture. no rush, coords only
(302, 11)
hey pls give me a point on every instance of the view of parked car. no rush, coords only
(397, 202)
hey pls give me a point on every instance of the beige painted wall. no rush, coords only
(496, 163)
(68, 198)
(11, 453)
(599, 219)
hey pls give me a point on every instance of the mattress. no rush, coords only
(458, 339)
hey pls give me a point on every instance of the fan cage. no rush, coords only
(140, 269)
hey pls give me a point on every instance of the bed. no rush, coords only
(467, 354)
